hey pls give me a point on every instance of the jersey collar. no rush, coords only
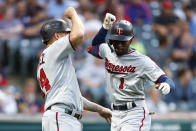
(130, 51)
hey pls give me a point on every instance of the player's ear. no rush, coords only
(57, 35)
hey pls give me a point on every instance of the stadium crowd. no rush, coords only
(164, 30)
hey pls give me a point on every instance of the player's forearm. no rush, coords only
(104, 112)
(169, 81)
(90, 106)
(77, 31)
(100, 37)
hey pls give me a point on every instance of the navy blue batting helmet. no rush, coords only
(122, 30)
(52, 26)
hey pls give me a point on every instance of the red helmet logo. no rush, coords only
(119, 31)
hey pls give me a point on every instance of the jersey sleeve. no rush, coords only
(103, 49)
(151, 71)
(61, 48)
(98, 51)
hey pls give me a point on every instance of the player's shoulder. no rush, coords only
(62, 40)
(59, 43)
(139, 56)
(104, 46)
(135, 53)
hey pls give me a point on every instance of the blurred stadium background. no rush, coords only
(164, 30)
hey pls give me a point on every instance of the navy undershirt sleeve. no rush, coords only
(169, 81)
(97, 40)
(100, 37)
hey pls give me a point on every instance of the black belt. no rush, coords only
(68, 111)
(123, 107)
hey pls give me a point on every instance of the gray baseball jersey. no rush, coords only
(127, 74)
(56, 75)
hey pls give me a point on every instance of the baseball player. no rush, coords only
(57, 78)
(127, 70)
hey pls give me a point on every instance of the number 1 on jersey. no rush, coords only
(121, 83)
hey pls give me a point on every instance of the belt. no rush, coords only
(123, 107)
(68, 111)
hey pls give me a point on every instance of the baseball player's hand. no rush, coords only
(164, 87)
(106, 113)
(108, 21)
(69, 12)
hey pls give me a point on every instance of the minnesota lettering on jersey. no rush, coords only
(117, 69)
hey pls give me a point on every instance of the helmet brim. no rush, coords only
(120, 37)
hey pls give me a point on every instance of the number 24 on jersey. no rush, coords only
(43, 81)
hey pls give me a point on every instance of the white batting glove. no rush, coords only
(164, 87)
(108, 21)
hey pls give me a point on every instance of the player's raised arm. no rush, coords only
(101, 35)
(107, 24)
(77, 31)
(104, 112)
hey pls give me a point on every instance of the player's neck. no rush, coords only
(50, 43)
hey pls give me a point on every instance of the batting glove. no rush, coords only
(164, 87)
(108, 21)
